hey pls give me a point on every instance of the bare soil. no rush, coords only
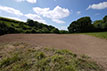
(94, 47)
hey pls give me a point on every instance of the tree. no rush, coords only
(104, 26)
(3, 29)
(105, 23)
(54, 30)
(84, 24)
(105, 19)
(21, 25)
(63, 32)
(98, 24)
(45, 30)
(73, 27)
(81, 25)
(30, 22)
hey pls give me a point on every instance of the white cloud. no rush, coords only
(99, 6)
(58, 21)
(18, 13)
(55, 15)
(29, 1)
(11, 10)
(78, 12)
(35, 18)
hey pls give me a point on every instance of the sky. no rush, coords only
(59, 13)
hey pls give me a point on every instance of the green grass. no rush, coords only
(19, 57)
(98, 34)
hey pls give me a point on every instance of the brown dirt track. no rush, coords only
(80, 44)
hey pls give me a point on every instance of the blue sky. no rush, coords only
(59, 13)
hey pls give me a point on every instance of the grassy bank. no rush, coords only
(98, 34)
(19, 57)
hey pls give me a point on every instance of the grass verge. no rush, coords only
(98, 34)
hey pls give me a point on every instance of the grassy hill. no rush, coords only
(8, 26)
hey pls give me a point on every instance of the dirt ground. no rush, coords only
(80, 44)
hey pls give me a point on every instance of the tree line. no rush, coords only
(85, 24)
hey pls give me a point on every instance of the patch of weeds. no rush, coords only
(25, 65)
(46, 59)
(62, 52)
(57, 58)
(46, 49)
(40, 55)
(65, 52)
(18, 44)
(32, 50)
(87, 65)
(8, 61)
(43, 65)
(70, 68)
(49, 49)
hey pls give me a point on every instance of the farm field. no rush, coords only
(80, 44)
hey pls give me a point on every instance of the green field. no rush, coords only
(98, 34)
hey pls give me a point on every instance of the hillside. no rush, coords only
(8, 26)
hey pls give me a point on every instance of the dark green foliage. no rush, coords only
(40, 55)
(105, 19)
(81, 25)
(104, 25)
(30, 22)
(98, 24)
(85, 24)
(3, 28)
(73, 27)
(63, 32)
(101, 25)
(13, 26)
(54, 30)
